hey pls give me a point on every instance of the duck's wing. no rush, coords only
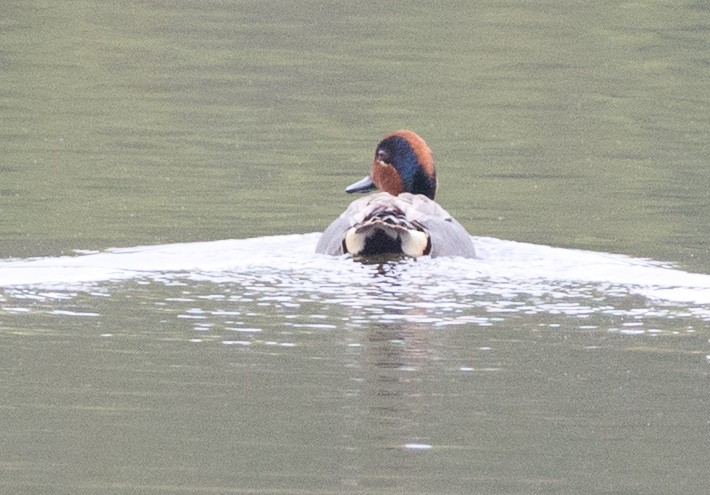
(448, 237)
(331, 241)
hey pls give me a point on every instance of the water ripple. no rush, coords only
(510, 280)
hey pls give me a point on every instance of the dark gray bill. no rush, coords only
(361, 186)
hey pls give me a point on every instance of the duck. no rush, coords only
(402, 220)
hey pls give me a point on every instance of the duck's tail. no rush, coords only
(387, 231)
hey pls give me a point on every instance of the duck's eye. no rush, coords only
(382, 155)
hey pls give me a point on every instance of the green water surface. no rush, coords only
(567, 123)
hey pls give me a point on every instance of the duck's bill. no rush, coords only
(361, 186)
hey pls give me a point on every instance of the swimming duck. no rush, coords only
(404, 219)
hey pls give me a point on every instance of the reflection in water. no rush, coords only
(386, 366)
(391, 397)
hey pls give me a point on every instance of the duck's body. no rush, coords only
(408, 224)
(402, 220)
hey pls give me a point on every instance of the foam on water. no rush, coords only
(504, 269)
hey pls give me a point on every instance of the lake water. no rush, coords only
(165, 326)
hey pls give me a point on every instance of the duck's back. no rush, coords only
(410, 224)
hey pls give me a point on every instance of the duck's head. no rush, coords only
(403, 163)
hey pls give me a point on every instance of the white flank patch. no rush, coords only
(414, 243)
(354, 242)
